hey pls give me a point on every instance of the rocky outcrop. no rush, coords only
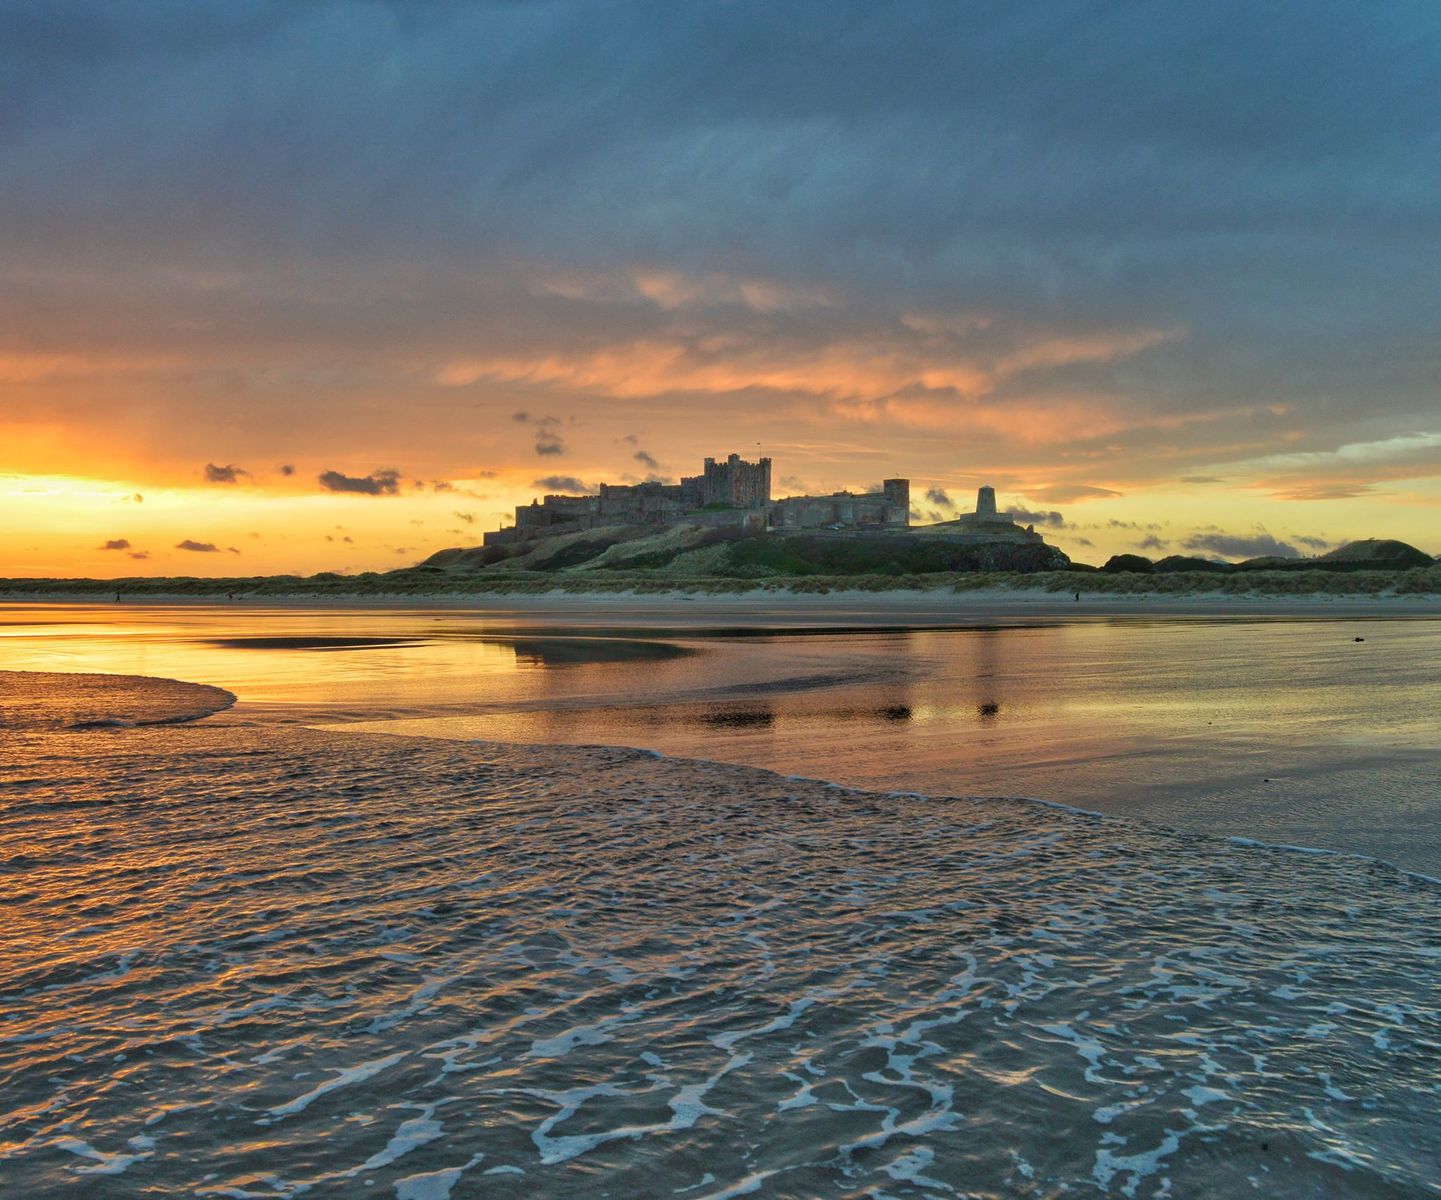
(1135, 564)
(1186, 562)
(1375, 553)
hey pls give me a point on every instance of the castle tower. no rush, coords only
(897, 494)
(986, 502)
(737, 482)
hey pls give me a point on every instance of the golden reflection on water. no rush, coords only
(1287, 729)
(319, 659)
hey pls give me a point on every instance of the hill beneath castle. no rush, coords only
(692, 551)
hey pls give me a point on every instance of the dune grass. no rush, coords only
(441, 582)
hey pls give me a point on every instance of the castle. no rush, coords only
(733, 493)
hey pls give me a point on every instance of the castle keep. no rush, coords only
(733, 493)
(735, 482)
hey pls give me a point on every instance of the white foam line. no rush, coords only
(579, 1035)
(687, 1107)
(742, 1187)
(105, 1164)
(351, 1075)
(908, 1167)
(432, 1185)
(1138, 1166)
(409, 1135)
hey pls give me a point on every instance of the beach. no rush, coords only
(763, 605)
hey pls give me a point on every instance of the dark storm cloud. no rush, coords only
(117, 544)
(286, 469)
(560, 483)
(1256, 178)
(547, 441)
(939, 496)
(1242, 545)
(378, 483)
(1024, 516)
(226, 474)
(198, 547)
(646, 460)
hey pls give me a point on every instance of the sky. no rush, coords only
(293, 287)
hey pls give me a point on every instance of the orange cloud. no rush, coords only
(1095, 348)
(716, 365)
(674, 290)
(33, 367)
(860, 371)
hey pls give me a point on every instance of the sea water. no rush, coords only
(242, 959)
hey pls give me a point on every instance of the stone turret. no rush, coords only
(986, 512)
(986, 524)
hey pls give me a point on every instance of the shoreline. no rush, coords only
(205, 720)
(861, 793)
(230, 706)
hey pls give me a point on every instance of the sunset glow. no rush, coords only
(1147, 334)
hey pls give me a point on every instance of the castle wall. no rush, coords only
(890, 508)
(751, 519)
(640, 504)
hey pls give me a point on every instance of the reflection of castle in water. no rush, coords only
(737, 494)
(989, 657)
